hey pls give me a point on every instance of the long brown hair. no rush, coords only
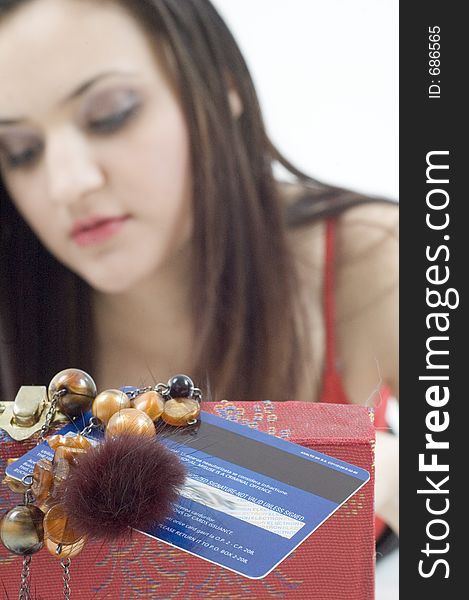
(249, 328)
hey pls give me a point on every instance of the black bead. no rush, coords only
(181, 386)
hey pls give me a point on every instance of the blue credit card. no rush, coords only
(249, 499)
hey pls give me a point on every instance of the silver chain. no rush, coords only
(50, 414)
(138, 391)
(28, 497)
(94, 423)
(25, 593)
(65, 564)
(162, 390)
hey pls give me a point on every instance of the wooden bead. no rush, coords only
(69, 454)
(21, 529)
(150, 403)
(130, 421)
(179, 411)
(14, 485)
(43, 477)
(81, 391)
(61, 470)
(108, 403)
(69, 441)
(57, 528)
(67, 550)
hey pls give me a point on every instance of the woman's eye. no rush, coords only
(23, 159)
(114, 121)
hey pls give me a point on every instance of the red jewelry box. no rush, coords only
(335, 563)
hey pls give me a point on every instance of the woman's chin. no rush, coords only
(111, 283)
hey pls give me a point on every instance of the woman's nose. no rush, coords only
(72, 169)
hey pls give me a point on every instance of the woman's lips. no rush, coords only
(97, 229)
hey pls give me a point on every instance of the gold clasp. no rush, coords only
(27, 413)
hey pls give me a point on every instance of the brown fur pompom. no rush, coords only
(126, 481)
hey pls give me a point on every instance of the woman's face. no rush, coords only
(94, 147)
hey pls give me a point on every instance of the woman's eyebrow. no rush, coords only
(79, 91)
(82, 88)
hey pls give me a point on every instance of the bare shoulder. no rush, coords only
(367, 298)
(367, 227)
(367, 252)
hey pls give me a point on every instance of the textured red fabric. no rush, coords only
(335, 563)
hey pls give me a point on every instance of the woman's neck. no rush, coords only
(145, 333)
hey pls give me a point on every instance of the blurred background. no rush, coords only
(327, 77)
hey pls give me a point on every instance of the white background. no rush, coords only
(327, 76)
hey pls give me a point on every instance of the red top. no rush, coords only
(332, 388)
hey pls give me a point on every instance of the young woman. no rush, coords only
(143, 233)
